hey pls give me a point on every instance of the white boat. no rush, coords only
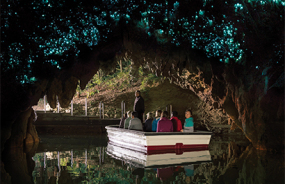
(158, 160)
(155, 142)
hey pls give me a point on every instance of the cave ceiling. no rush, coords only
(73, 39)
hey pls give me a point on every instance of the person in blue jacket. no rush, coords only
(157, 118)
(189, 122)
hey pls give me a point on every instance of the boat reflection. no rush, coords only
(159, 159)
(166, 165)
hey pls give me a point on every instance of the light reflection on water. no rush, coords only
(74, 159)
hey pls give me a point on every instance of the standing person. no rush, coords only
(164, 124)
(122, 122)
(177, 125)
(139, 105)
(135, 122)
(154, 122)
(148, 122)
(189, 122)
(127, 121)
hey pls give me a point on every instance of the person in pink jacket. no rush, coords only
(164, 124)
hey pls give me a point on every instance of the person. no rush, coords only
(122, 122)
(127, 121)
(177, 125)
(189, 171)
(139, 173)
(189, 123)
(139, 105)
(164, 173)
(154, 122)
(148, 122)
(135, 122)
(164, 124)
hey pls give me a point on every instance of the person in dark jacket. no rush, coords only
(122, 122)
(164, 124)
(139, 105)
(148, 122)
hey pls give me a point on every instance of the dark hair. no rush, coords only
(189, 110)
(174, 113)
(149, 115)
(135, 114)
(138, 91)
(165, 114)
(159, 113)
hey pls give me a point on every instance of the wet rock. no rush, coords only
(19, 129)
(32, 135)
(255, 166)
(5, 177)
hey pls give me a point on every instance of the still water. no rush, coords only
(89, 159)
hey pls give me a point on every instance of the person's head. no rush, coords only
(164, 114)
(188, 113)
(149, 115)
(174, 114)
(137, 93)
(129, 114)
(134, 114)
(126, 115)
(158, 113)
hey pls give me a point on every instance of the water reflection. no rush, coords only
(158, 159)
(91, 160)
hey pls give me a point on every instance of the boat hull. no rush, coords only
(154, 142)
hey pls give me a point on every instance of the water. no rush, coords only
(89, 159)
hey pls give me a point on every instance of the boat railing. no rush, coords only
(100, 108)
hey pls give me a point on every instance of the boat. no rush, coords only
(156, 142)
(158, 160)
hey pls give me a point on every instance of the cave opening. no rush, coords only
(225, 58)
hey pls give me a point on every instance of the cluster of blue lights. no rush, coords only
(59, 26)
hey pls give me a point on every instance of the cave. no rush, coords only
(229, 55)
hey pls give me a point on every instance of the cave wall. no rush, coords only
(22, 144)
(253, 105)
(238, 90)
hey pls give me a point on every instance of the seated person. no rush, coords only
(177, 125)
(148, 122)
(164, 174)
(189, 171)
(189, 123)
(164, 124)
(122, 122)
(127, 121)
(135, 122)
(154, 122)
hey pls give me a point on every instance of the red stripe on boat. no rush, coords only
(179, 148)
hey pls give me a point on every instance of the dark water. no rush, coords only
(86, 159)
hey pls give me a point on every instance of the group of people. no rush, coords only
(160, 123)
